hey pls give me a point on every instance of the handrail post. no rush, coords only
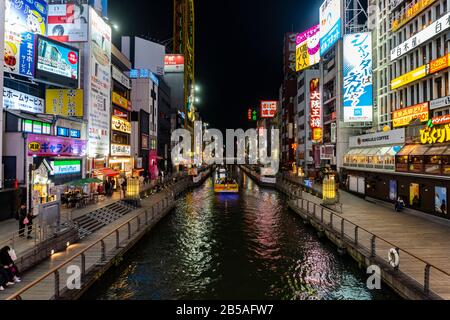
(426, 282)
(321, 214)
(356, 235)
(56, 273)
(83, 266)
(373, 247)
(102, 242)
(117, 239)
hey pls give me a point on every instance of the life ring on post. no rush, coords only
(394, 258)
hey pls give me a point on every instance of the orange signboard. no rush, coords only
(441, 120)
(439, 64)
(120, 101)
(404, 116)
(411, 11)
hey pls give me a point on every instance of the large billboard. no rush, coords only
(68, 22)
(308, 48)
(330, 24)
(23, 19)
(432, 30)
(358, 83)
(57, 62)
(98, 87)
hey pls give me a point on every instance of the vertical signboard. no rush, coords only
(98, 86)
(2, 42)
(315, 115)
(358, 88)
(268, 109)
(330, 24)
(23, 19)
(308, 48)
(289, 52)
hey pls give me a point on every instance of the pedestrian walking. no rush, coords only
(22, 216)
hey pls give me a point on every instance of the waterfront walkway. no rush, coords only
(45, 289)
(415, 233)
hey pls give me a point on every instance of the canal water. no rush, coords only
(243, 246)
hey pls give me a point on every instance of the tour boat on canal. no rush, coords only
(224, 184)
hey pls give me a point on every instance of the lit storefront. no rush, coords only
(121, 159)
(369, 161)
(55, 161)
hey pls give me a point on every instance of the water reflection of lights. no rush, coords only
(251, 247)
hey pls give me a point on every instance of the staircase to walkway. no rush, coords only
(95, 220)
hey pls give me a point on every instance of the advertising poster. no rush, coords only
(68, 22)
(358, 88)
(63, 102)
(308, 48)
(440, 202)
(414, 194)
(98, 93)
(403, 117)
(393, 190)
(16, 100)
(173, 63)
(23, 19)
(330, 24)
(57, 59)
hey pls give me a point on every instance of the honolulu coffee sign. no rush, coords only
(378, 139)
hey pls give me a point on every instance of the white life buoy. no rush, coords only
(394, 258)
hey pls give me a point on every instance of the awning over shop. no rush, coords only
(419, 150)
(353, 152)
(28, 116)
(378, 151)
(109, 172)
(443, 150)
(406, 150)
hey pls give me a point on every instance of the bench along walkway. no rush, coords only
(95, 253)
(370, 230)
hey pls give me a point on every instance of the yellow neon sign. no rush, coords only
(409, 77)
(434, 135)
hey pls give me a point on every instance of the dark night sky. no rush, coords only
(239, 47)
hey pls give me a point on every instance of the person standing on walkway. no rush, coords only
(124, 187)
(113, 185)
(21, 215)
(29, 225)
